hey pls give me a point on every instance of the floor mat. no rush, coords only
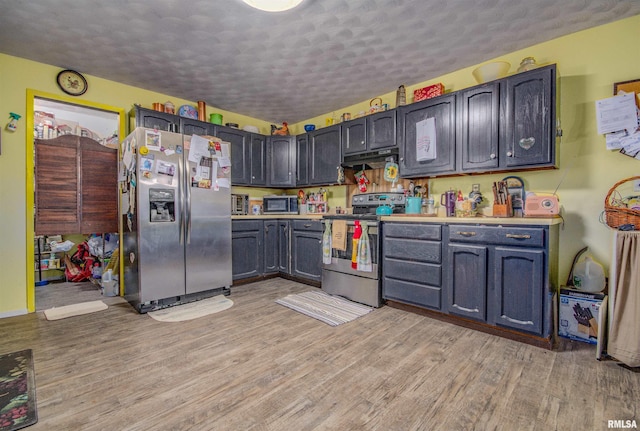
(17, 391)
(56, 313)
(192, 310)
(332, 310)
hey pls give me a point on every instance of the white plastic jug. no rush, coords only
(588, 276)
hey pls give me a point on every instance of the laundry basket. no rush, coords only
(617, 211)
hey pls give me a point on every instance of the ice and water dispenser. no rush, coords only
(162, 205)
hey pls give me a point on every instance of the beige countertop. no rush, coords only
(277, 216)
(532, 221)
(474, 220)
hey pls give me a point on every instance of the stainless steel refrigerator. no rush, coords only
(177, 225)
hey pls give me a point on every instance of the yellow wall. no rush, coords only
(589, 62)
(16, 76)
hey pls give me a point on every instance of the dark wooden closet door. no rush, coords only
(99, 187)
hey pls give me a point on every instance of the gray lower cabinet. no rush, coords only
(271, 246)
(284, 265)
(412, 264)
(247, 249)
(502, 276)
(306, 249)
(276, 246)
(467, 281)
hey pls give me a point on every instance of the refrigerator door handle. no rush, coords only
(181, 197)
(187, 188)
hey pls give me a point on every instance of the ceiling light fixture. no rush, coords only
(273, 5)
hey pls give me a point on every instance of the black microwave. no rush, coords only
(280, 204)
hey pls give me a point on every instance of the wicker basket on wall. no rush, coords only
(617, 213)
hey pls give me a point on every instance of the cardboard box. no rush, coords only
(579, 315)
(428, 92)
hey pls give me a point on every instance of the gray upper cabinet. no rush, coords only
(381, 130)
(189, 126)
(443, 109)
(240, 153)
(302, 160)
(258, 160)
(354, 136)
(156, 120)
(281, 161)
(370, 133)
(529, 101)
(324, 155)
(248, 156)
(479, 123)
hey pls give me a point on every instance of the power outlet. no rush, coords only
(636, 185)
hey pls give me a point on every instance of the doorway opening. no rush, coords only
(72, 200)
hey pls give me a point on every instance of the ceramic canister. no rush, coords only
(413, 205)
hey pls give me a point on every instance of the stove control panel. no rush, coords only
(377, 199)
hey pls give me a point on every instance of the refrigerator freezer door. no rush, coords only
(160, 216)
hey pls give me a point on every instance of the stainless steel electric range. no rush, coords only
(338, 277)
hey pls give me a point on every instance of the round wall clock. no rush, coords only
(72, 82)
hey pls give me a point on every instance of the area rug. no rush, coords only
(332, 310)
(56, 313)
(192, 310)
(17, 391)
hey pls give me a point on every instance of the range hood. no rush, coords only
(370, 160)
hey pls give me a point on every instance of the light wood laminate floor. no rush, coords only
(261, 366)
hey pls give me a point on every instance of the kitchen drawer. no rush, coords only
(502, 235)
(308, 225)
(413, 230)
(412, 293)
(246, 225)
(411, 249)
(418, 272)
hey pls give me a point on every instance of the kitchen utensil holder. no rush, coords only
(503, 210)
(616, 214)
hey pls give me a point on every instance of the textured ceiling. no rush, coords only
(317, 58)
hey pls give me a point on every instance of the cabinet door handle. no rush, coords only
(466, 233)
(266, 229)
(512, 235)
(509, 154)
(492, 156)
(307, 225)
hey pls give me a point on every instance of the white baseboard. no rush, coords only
(13, 313)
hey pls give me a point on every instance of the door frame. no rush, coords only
(30, 165)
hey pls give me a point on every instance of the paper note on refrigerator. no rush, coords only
(426, 139)
(198, 148)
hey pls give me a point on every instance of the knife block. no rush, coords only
(503, 210)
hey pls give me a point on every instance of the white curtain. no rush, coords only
(624, 329)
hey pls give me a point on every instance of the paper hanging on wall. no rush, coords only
(426, 139)
(617, 113)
